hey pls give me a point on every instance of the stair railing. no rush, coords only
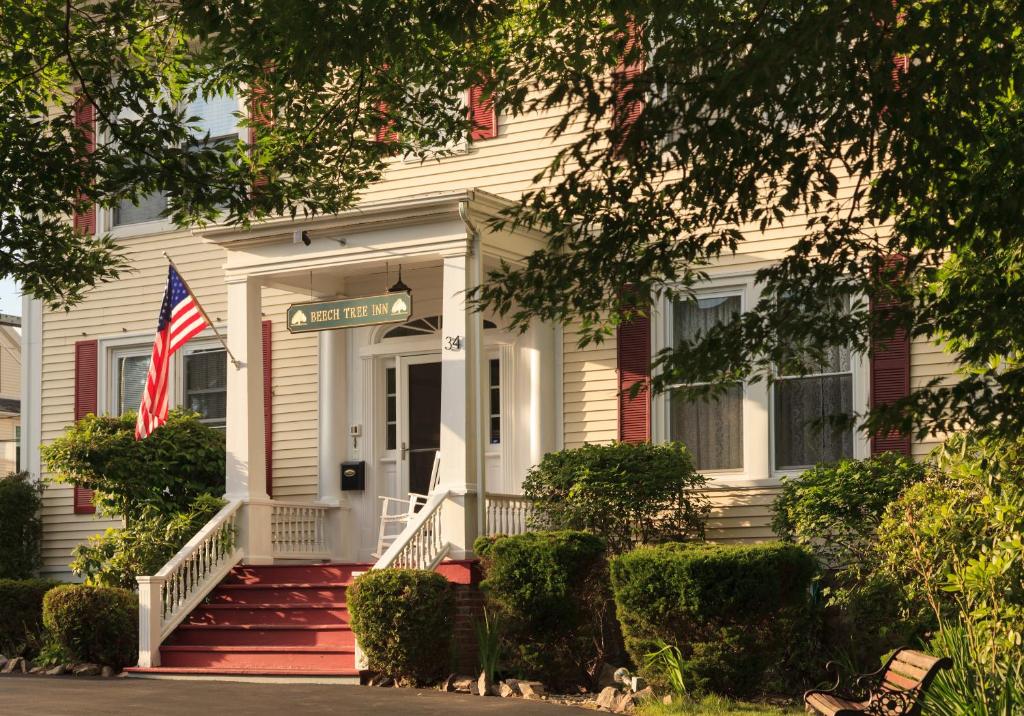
(420, 545)
(167, 597)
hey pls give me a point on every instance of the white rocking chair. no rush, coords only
(395, 513)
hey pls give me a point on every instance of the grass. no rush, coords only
(716, 706)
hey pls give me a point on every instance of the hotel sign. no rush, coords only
(350, 312)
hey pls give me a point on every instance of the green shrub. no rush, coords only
(93, 624)
(21, 527)
(21, 612)
(969, 513)
(550, 590)
(115, 557)
(168, 470)
(740, 615)
(835, 510)
(628, 494)
(403, 620)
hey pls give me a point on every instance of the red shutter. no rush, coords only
(268, 412)
(85, 403)
(482, 114)
(386, 132)
(634, 366)
(85, 221)
(259, 116)
(890, 378)
(627, 108)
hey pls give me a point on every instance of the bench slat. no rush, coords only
(908, 670)
(831, 705)
(899, 682)
(917, 658)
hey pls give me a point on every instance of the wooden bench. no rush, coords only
(896, 689)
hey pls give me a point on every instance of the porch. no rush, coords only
(443, 381)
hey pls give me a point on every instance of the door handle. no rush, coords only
(405, 449)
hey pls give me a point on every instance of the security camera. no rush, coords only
(302, 236)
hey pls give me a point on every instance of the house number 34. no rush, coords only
(453, 343)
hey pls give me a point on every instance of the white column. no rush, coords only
(461, 398)
(333, 440)
(333, 430)
(246, 464)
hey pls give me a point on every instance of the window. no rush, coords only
(802, 436)
(391, 399)
(17, 448)
(711, 429)
(206, 384)
(130, 380)
(495, 401)
(217, 119)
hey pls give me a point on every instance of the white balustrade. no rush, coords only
(300, 531)
(508, 514)
(167, 597)
(420, 545)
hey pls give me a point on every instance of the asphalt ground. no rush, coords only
(83, 696)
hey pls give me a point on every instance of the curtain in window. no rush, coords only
(149, 209)
(802, 404)
(712, 430)
(217, 115)
(206, 382)
(131, 372)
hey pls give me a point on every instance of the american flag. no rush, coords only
(180, 319)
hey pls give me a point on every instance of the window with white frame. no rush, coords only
(802, 407)
(130, 367)
(203, 384)
(712, 429)
(217, 119)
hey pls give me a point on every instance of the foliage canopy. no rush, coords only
(752, 114)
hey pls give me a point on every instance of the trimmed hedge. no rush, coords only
(21, 612)
(21, 527)
(550, 592)
(740, 614)
(628, 494)
(94, 624)
(403, 619)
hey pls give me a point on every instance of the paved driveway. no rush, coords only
(77, 696)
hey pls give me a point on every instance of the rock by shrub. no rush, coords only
(403, 621)
(21, 612)
(21, 528)
(628, 494)
(93, 624)
(739, 614)
(550, 592)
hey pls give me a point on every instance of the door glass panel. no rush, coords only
(424, 423)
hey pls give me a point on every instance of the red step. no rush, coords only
(298, 658)
(283, 613)
(337, 635)
(260, 593)
(294, 573)
(268, 620)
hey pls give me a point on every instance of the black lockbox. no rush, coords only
(353, 475)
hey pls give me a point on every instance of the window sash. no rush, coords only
(208, 397)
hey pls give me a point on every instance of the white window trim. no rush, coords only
(141, 343)
(758, 430)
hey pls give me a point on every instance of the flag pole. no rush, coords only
(234, 361)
